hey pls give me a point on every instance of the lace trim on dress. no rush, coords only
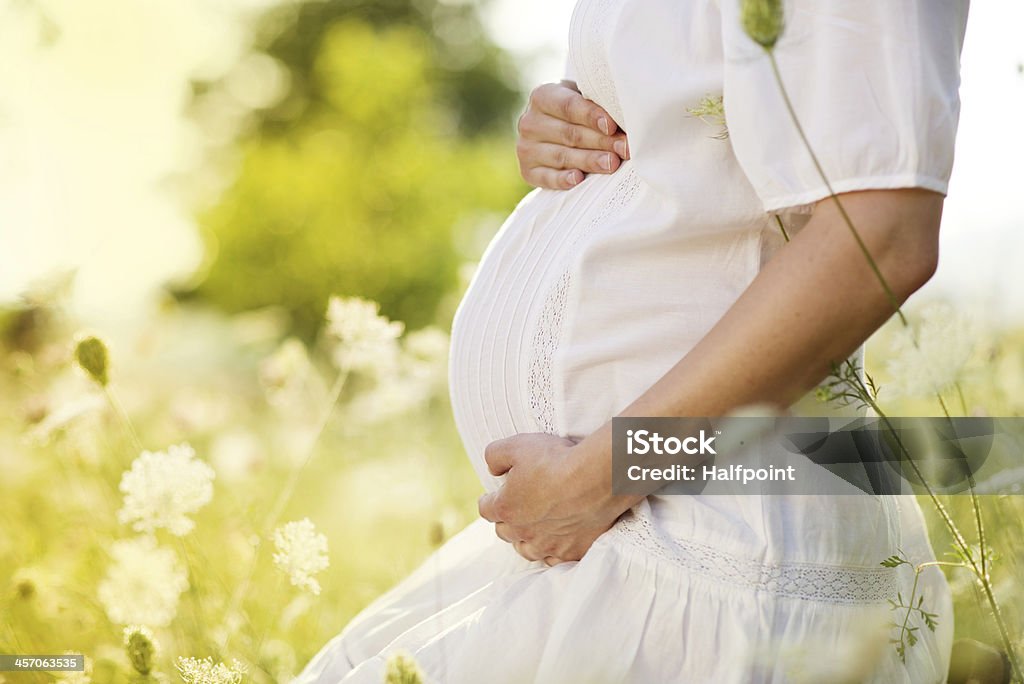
(808, 581)
(594, 53)
(548, 331)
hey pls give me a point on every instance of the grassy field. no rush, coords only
(385, 482)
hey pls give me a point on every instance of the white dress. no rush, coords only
(586, 297)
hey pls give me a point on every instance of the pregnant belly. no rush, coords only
(582, 300)
(506, 328)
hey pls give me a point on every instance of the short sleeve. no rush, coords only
(874, 83)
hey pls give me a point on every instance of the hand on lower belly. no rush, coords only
(546, 508)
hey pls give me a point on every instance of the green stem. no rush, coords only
(910, 610)
(893, 299)
(785, 235)
(979, 572)
(960, 394)
(284, 496)
(126, 420)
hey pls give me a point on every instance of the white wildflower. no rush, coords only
(236, 455)
(83, 676)
(364, 340)
(301, 553)
(419, 374)
(205, 671)
(936, 363)
(162, 488)
(143, 584)
(391, 398)
(426, 353)
(283, 374)
(279, 658)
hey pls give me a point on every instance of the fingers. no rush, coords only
(551, 165)
(532, 553)
(541, 127)
(488, 508)
(563, 136)
(552, 179)
(505, 533)
(569, 105)
(499, 456)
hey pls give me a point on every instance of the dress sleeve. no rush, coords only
(874, 84)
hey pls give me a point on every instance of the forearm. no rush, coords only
(811, 305)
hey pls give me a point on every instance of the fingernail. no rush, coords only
(602, 123)
(606, 162)
(574, 177)
(620, 148)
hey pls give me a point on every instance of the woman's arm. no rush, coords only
(812, 304)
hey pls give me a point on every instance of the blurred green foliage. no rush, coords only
(359, 180)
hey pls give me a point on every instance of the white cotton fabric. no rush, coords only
(585, 297)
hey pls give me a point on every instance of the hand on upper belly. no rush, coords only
(543, 508)
(563, 136)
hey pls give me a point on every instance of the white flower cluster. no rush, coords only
(364, 340)
(143, 584)
(937, 361)
(205, 671)
(301, 553)
(162, 488)
(419, 373)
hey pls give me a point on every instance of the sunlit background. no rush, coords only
(108, 156)
(193, 179)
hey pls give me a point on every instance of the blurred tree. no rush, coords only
(396, 130)
(471, 74)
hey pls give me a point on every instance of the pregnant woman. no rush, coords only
(665, 288)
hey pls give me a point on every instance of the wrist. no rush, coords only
(589, 466)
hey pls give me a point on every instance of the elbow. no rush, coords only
(901, 228)
(915, 264)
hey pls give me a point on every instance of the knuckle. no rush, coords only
(567, 106)
(539, 94)
(527, 124)
(493, 450)
(522, 148)
(501, 510)
(562, 158)
(572, 135)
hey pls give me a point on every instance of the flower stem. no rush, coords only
(832, 193)
(282, 498)
(122, 414)
(982, 572)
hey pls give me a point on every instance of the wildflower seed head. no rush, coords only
(401, 668)
(92, 356)
(762, 20)
(140, 647)
(205, 671)
(301, 553)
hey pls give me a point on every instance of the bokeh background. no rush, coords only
(191, 180)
